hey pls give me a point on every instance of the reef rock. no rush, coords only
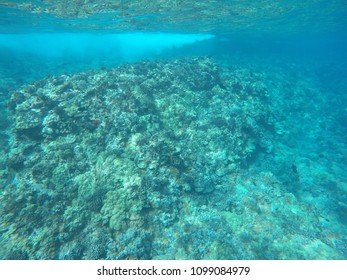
(126, 153)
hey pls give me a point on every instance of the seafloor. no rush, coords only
(178, 159)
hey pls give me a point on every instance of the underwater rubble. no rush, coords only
(150, 161)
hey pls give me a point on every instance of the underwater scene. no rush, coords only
(173, 130)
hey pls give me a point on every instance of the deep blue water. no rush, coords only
(173, 130)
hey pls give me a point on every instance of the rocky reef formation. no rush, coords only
(149, 161)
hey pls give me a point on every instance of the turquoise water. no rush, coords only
(173, 129)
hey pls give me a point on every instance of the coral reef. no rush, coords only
(151, 161)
